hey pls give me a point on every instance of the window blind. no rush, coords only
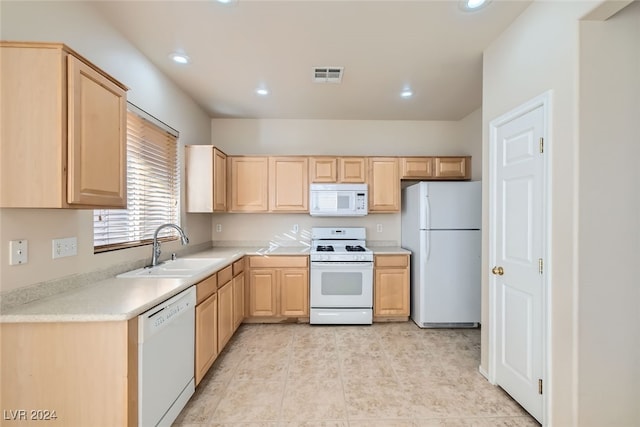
(152, 188)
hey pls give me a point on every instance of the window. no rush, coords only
(153, 186)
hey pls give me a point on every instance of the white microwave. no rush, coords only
(338, 199)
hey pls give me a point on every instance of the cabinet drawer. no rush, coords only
(278, 261)
(224, 276)
(205, 288)
(392, 261)
(238, 267)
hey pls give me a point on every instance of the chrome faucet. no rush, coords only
(156, 245)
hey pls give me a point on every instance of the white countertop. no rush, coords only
(119, 299)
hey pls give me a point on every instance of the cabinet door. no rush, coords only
(249, 180)
(219, 181)
(352, 169)
(417, 167)
(262, 293)
(289, 184)
(452, 167)
(238, 300)
(294, 292)
(384, 184)
(391, 292)
(206, 178)
(30, 82)
(225, 314)
(323, 169)
(206, 336)
(97, 118)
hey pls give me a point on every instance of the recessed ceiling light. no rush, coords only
(226, 1)
(262, 91)
(473, 5)
(406, 93)
(179, 58)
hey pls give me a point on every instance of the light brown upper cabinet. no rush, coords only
(449, 168)
(63, 138)
(384, 184)
(352, 169)
(206, 179)
(248, 183)
(338, 169)
(288, 184)
(268, 184)
(416, 167)
(452, 167)
(323, 169)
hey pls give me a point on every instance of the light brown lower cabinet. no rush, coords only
(278, 286)
(225, 314)
(206, 338)
(294, 292)
(391, 287)
(238, 300)
(81, 373)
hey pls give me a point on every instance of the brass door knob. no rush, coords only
(499, 271)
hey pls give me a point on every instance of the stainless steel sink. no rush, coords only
(181, 267)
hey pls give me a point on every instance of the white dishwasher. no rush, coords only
(166, 359)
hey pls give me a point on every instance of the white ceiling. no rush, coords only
(432, 47)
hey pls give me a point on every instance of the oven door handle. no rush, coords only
(341, 264)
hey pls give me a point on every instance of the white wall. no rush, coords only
(77, 25)
(337, 137)
(609, 222)
(537, 53)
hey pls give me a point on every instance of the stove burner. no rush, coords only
(324, 248)
(357, 248)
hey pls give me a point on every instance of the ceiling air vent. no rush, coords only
(328, 74)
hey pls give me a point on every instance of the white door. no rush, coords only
(517, 247)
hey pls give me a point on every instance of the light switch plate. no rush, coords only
(18, 252)
(64, 247)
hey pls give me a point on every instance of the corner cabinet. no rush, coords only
(391, 287)
(64, 134)
(384, 184)
(206, 179)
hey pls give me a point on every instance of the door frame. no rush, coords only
(545, 101)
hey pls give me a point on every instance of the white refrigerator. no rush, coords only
(441, 226)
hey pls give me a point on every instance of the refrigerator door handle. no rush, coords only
(425, 246)
(428, 244)
(427, 208)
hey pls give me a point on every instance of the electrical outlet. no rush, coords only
(379, 228)
(18, 252)
(218, 228)
(64, 247)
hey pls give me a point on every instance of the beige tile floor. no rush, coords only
(387, 375)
